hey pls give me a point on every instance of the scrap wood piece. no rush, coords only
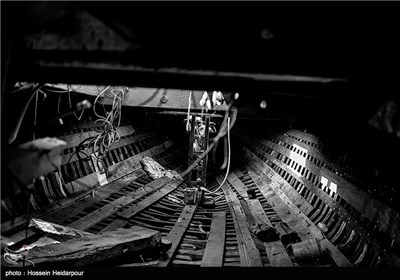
(286, 234)
(45, 232)
(95, 248)
(176, 234)
(155, 170)
(57, 229)
(214, 252)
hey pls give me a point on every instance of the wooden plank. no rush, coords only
(214, 252)
(177, 232)
(277, 255)
(150, 97)
(95, 248)
(258, 212)
(281, 208)
(115, 224)
(336, 255)
(140, 206)
(314, 230)
(249, 254)
(238, 185)
(276, 252)
(114, 206)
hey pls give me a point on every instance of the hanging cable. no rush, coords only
(95, 101)
(35, 117)
(15, 132)
(110, 124)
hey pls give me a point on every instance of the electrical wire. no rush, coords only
(110, 124)
(79, 149)
(96, 100)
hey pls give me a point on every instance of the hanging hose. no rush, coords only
(229, 162)
(224, 164)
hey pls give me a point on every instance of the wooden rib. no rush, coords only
(140, 206)
(86, 202)
(87, 185)
(113, 207)
(337, 256)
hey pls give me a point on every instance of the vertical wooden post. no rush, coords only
(205, 159)
(190, 153)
